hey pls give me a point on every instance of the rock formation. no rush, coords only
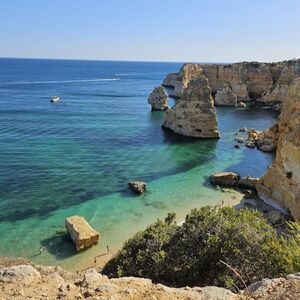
(280, 186)
(226, 179)
(194, 114)
(81, 233)
(30, 281)
(179, 81)
(265, 141)
(158, 99)
(226, 97)
(283, 74)
(138, 187)
(264, 82)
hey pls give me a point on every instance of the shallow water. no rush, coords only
(76, 157)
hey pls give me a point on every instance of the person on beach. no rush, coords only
(107, 247)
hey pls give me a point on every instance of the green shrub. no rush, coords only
(196, 253)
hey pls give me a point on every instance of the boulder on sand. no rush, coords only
(228, 179)
(81, 233)
(138, 187)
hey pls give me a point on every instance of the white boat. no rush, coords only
(55, 99)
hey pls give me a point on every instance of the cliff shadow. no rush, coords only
(59, 245)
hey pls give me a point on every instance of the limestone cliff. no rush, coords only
(225, 96)
(265, 82)
(281, 183)
(181, 79)
(194, 114)
(283, 76)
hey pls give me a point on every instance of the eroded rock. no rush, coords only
(280, 186)
(158, 99)
(228, 179)
(194, 114)
(138, 187)
(81, 233)
(225, 97)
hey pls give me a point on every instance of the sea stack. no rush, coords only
(280, 186)
(194, 115)
(158, 99)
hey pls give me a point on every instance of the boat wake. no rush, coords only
(61, 81)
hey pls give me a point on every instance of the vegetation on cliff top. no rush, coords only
(194, 254)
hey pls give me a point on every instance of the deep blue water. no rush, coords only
(78, 155)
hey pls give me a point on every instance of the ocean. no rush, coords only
(77, 156)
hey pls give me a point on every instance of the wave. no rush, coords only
(136, 74)
(60, 81)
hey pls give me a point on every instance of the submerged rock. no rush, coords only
(158, 99)
(81, 233)
(138, 187)
(228, 179)
(194, 114)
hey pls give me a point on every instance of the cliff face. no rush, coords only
(281, 183)
(247, 80)
(283, 76)
(194, 114)
(179, 81)
(265, 82)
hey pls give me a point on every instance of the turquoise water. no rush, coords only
(76, 157)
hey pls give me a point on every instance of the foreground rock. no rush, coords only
(81, 233)
(138, 187)
(54, 283)
(158, 99)
(194, 114)
(280, 186)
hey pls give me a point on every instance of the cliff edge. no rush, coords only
(280, 185)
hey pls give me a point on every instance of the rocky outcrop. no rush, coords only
(226, 97)
(280, 186)
(81, 233)
(138, 187)
(55, 283)
(194, 114)
(265, 141)
(158, 99)
(265, 82)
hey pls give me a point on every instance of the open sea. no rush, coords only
(76, 157)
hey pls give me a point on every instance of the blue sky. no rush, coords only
(151, 30)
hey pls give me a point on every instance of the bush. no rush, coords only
(198, 252)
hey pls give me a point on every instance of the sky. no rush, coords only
(151, 30)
